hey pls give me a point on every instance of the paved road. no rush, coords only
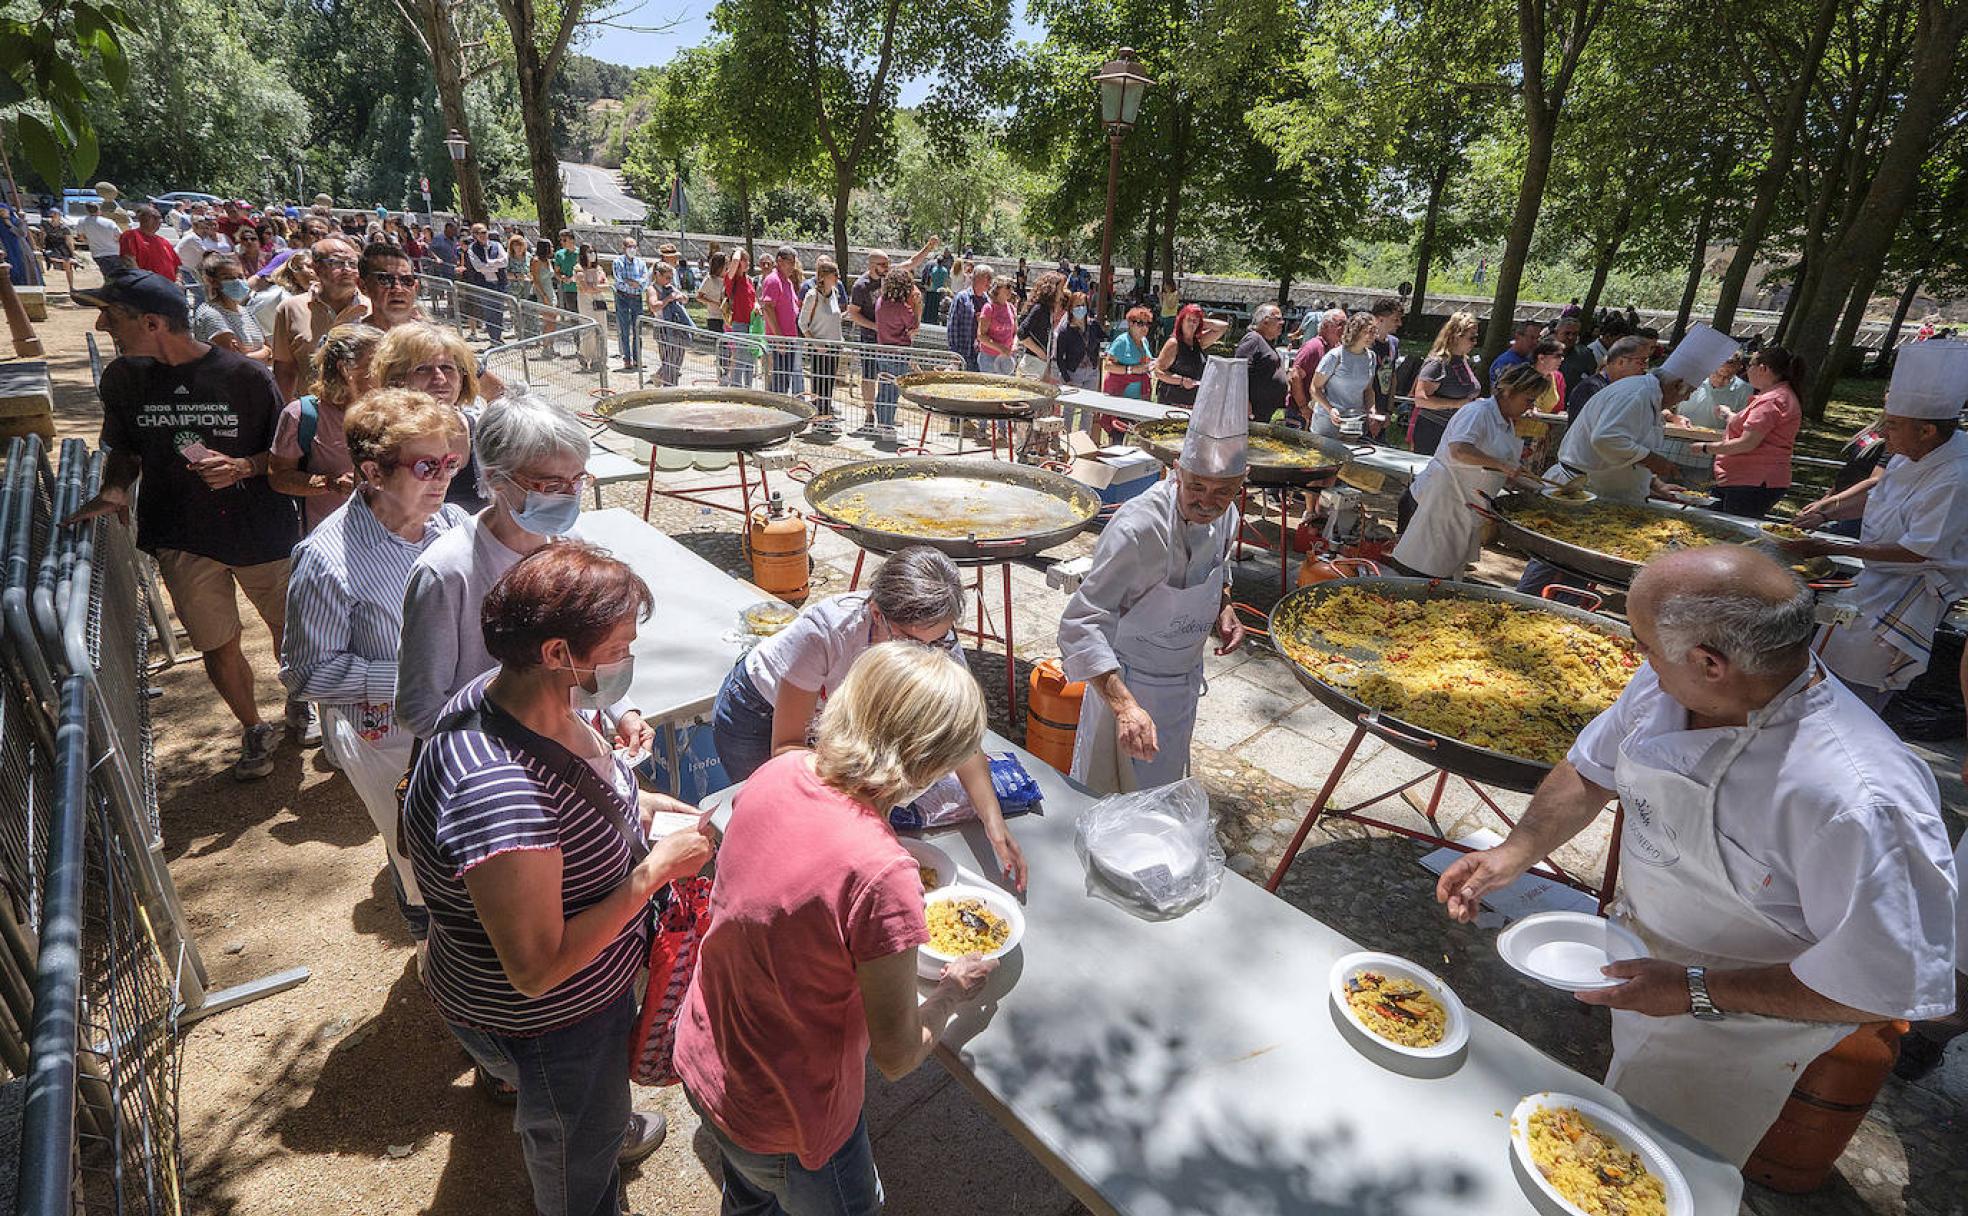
(599, 192)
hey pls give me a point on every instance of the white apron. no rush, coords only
(1720, 1082)
(1445, 535)
(1900, 604)
(1159, 644)
(373, 768)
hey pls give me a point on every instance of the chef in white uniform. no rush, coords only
(1136, 628)
(1617, 443)
(1914, 534)
(1783, 854)
(1480, 451)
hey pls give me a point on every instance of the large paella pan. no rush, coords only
(709, 419)
(1479, 681)
(1279, 455)
(1609, 541)
(968, 508)
(975, 394)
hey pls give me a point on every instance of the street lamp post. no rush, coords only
(467, 200)
(1122, 86)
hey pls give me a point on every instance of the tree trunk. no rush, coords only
(745, 220)
(1905, 305)
(534, 69)
(1425, 248)
(1150, 243)
(1609, 249)
(1172, 202)
(543, 163)
(1854, 263)
(439, 41)
(843, 191)
(1284, 290)
(1796, 296)
(1695, 265)
(1776, 167)
(1517, 246)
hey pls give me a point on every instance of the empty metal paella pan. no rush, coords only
(708, 419)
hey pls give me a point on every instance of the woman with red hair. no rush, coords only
(1179, 368)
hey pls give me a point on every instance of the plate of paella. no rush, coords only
(1581, 1158)
(964, 920)
(1397, 1007)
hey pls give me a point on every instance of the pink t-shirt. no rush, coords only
(1779, 416)
(778, 295)
(328, 455)
(772, 1040)
(999, 322)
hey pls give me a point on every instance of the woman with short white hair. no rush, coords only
(532, 466)
(808, 966)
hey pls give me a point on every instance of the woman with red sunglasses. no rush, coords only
(345, 597)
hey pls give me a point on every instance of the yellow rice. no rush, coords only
(1632, 533)
(1398, 1010)
(1591, 1168)
(950, 935)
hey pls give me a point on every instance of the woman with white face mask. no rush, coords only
(532, 460)
(531, 844)
(222, 319)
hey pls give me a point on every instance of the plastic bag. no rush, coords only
(946, 802)
(1153, 850)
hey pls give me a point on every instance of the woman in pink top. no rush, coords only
(809, 964)
(997, 330)
(1752, 462)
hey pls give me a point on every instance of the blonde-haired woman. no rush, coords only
(310, 457)
(435, 360)
(1343, 382)
(345, 599)
(1446, 381)
(809, 964)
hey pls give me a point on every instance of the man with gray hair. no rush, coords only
(1270, 379)
(1783, 855)
(960, 330)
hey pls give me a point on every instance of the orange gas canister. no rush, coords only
(1052, 714)
(1826, 1106)
(776, 542)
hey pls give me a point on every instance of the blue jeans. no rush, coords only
(776, 1184)
(886, 395)
(741, 725)
(573, 1105)
(628, 325)
(785, 368)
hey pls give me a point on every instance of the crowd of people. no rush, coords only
(349, 466)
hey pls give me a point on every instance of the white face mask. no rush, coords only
(612, 682)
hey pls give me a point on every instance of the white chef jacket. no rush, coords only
(1131, 559)
(1480, 424)
(817, 649)
(1921, 505)
(1829, 826)
(1621, 427)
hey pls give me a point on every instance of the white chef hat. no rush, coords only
(1696, 356)
(1930, 380)
(1218, 440)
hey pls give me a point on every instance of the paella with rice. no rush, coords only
(1491, 674)
(1590, 1168)
(1398, 1010)
(965, 925)
(1631, 533)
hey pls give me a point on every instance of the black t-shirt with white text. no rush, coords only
(225, 402)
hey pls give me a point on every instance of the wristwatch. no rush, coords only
(1698, 1001)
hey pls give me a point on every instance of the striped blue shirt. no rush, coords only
(631, 274)
(345, 611)
(472, 798)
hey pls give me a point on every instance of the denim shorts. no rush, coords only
(741, 725)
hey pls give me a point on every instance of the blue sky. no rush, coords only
(693, 25)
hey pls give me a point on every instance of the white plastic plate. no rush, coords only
(930, 962)
(1454, 1035)
(1680, 1199)
(1566, 949)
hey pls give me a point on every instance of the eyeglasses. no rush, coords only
(432, 371)
(331, 262)
(396, 280)
(429, 468)
(551, 485)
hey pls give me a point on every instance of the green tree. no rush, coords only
(846, 59)
(56, 58)
(971, 192)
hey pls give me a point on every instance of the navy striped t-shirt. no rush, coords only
(471, 798)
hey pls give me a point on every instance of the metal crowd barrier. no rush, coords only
(91, 913)
(562, 354)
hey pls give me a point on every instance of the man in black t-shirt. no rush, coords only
(194, 423)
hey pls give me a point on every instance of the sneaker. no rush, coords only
(885, 437)
(645, 1135)
(303, 725)
(825, 430)
(256, 747)
(865, 431)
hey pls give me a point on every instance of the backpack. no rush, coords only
(310, 423)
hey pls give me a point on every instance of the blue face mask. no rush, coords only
(236, 289)
(1079, 312)
(548, 514)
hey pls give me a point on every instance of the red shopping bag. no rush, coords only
(672, 960)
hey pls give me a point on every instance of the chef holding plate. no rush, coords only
(1782, 857)
(1159, 586)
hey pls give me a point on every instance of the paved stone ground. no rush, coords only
(1264, 746)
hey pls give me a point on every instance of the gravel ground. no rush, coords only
(347, 1095)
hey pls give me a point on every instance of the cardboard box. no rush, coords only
(1116, 473)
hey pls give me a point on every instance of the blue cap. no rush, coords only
(141, 291)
